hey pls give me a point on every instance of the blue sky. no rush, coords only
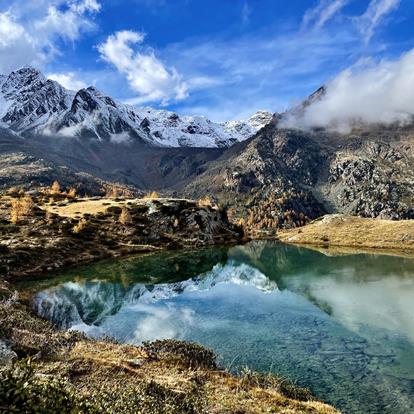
(221, 58)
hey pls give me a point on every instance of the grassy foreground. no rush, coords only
(355, 232)
(64, 372)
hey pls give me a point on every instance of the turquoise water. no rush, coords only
(341, 325)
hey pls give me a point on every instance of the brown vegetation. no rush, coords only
(21, 208)
(64, 233)
(118, 190)
(205, 202)
(125, 216)
(80, 226)
(152, 195)
(71, 193)
(55, 188)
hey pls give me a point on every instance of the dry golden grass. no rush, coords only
(84, 207)
(93, 206)
(228, 394)
(205, 202)
(112, 363)
(355, 232)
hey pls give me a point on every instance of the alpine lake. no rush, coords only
(339, 324)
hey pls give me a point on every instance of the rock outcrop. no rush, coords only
(44, 241)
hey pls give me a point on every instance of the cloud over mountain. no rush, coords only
(366, 92)
(30, 35)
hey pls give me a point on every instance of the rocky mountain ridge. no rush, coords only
(32, 104)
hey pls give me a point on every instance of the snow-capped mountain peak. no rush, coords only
(29, 100)
(31, 103)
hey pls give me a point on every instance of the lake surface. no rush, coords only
(341, 325)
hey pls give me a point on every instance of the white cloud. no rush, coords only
(68, 23)
(10, 30)
(84, 6)
(368, 92)
(29, 36)
(374, 15)
(67, 80)
(16, 46)
(322, 13)
(146, 74)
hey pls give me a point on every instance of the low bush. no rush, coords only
(281, 385)
(186, 353)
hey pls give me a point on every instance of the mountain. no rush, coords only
(286, 177)
(32, 104)
(277, 177)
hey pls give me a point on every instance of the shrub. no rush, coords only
(55, 188)
(189, 354)
(15, 212)
(20, 208)
(72, 193)
(112, 192)
(205, 202)
(22, 391)
(80, 227)
(241, 222)
(125, 216)
(13, 191)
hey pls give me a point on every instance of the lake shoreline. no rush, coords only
(48, 242)
(75, 232)
(182, 377)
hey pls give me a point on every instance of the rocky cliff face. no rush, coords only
(279, 178)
